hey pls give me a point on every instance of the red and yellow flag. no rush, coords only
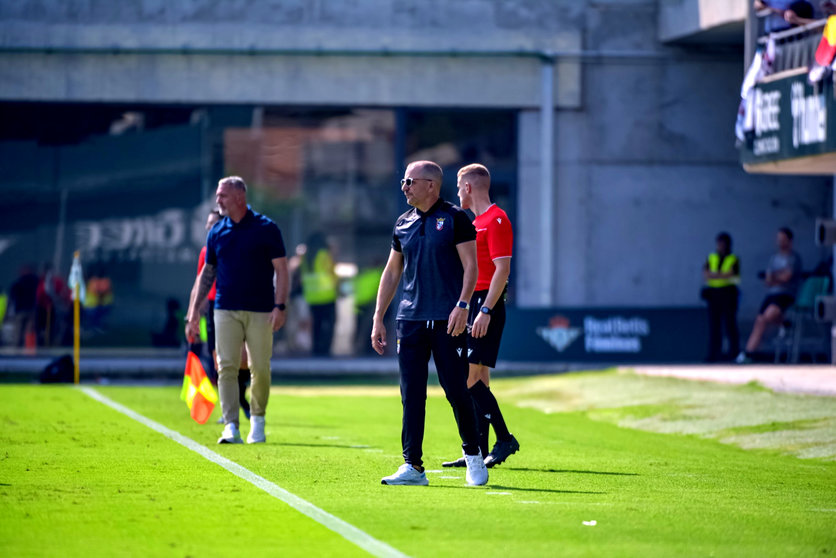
(827, 47)
(197, 391)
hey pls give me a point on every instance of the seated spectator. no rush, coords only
(785, 14)
(783, 275)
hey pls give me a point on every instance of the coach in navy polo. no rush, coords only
(244, 251)
(434, 251)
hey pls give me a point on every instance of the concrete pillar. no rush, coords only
(547, 181)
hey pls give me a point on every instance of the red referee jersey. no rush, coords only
(201, 259)
(494, 239)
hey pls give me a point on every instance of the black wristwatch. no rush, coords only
(463, 305)
(486, 310)
(281, 306)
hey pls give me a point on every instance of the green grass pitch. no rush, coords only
(656, 463)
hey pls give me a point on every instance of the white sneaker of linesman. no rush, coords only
(256, 435)
(477, 473)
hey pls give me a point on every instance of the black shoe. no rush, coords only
(460, 462)
(501, 451)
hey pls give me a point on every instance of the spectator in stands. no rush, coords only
(785, 13)
(365, 297)
(54, 302)
(783, 275)
(170, 334)
(23, 302)
(319, 286)
(721, 272)
(99, 298)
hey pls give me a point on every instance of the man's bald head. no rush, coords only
(427, 169)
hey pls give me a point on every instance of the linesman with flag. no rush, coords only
(244, 251)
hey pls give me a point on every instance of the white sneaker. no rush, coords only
(256, 435)
(743, 358)
(406, 474)
(230, 435)
(477, 473)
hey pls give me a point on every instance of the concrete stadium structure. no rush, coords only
(625, 160)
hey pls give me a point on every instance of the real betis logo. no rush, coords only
(439, 223)
(559, 335)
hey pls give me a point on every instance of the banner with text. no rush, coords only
(606, 335)
(791, 120)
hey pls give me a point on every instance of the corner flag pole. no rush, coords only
(77, 284)
(76, 332)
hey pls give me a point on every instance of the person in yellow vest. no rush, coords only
(365, 297)
(319, 287)
(99, 299)
(721, 273)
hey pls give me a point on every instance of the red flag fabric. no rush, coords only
(197, 390)
(827, 47)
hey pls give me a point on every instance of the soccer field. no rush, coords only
(79, 478)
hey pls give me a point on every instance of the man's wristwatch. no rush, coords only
(463, 305)
(281, 306)
(486, 310)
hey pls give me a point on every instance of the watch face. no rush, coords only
(485, 310)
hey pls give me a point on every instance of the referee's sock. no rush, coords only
(484, 427)
(487, 405)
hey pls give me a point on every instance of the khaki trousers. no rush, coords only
(232, 329)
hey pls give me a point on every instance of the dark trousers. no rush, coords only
(416, 341)
(722, 314)
(323, 318)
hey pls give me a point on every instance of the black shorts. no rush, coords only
(782, 301)
(485, 349)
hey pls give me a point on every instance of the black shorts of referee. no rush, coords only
(484, 350)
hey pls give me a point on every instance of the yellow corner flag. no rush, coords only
(197, 391)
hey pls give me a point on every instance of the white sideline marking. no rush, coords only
(346, 530)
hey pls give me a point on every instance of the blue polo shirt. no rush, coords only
(433, 272)
(243, 254)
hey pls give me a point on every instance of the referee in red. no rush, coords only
(494, 240)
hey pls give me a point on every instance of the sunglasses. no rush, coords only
(409, 181)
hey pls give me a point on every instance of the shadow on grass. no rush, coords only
(518, 489)
(570, 471)
(296, 425)
(342, 446)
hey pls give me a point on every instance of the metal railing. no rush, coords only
(796, 47)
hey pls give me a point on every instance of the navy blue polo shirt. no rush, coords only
(243, 254)
(433, 272)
